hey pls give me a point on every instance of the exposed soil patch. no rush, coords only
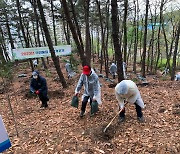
(56, 94)
(99, 134)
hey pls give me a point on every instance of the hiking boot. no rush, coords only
(42, 106)
(91, 114)
(121, 119)
(140, 119)
(45, 106)
(82, 114)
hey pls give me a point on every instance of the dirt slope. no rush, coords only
(59, 129)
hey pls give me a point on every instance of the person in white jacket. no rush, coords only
(92, 88)
(177, 77)
(69, 70)
(113, 70)
(35, 63)
(127, 91)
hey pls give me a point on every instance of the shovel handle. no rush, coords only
(113, 119)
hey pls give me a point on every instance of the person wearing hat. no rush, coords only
(113, 70)
(127, 91)
(92, 88)
(38, 86)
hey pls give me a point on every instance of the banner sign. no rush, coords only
(25, 53)
(4, 139)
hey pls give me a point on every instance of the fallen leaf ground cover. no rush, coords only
(59, 129)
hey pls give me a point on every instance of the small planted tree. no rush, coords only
(6, 76)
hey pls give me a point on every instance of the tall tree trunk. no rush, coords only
(171, 46)
(2, 59)
(97, 31)
(128, 57)
(165, 40)
(159, 32)
(34, 33)
(19, 35)
(53, 19)
(29, 36)
(74, 34)
(92, 43)
(34, 4)
(66, 30)
(76, 25)
(115, 36)
(175, 52)
(9, 32)
(88, 38)
(148, 57)
(125, 29)
(23, 31)
(140, 41)
(43, 35)
(144, 43)
(50, 44)
(152, 44)
(3, 45)
(106, 58)
(135, 38)
(102, 34)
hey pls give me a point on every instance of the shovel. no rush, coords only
(113, 119)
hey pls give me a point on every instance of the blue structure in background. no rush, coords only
(151, 25)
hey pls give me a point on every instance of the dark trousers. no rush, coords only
(44, 99)
(84, 103)
(114, 76)
(138, 111)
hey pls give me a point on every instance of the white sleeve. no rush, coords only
(120, 100)
(79, 85)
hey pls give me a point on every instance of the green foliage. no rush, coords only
(135, 80)
(74, 62)
(6, 70)
(164, 78)
(130, 34)
(162, 64)
(110, 51)
(48, 73)
(174, 15)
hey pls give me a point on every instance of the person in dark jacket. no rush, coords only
(38, 86)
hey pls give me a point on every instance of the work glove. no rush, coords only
(37, 92)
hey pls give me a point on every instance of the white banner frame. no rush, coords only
(26, 53)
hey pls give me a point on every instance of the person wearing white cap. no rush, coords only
(38, 86)
(127, 91)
